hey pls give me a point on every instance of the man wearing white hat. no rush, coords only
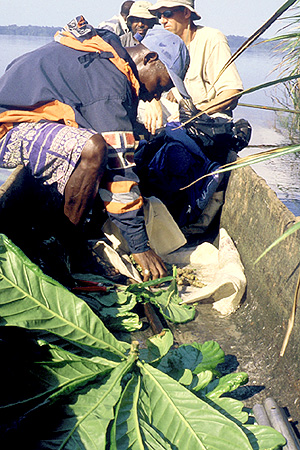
(139, 21)
(209, 51)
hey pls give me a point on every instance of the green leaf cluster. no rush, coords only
(114, 307)
(94, 392)
(117, 307)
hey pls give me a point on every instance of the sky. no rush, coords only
(232, 17)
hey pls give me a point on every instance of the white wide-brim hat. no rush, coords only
(173, 3)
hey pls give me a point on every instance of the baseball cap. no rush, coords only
(141, 9)
(172, 52)
(190, 4)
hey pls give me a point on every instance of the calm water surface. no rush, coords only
(255, 67)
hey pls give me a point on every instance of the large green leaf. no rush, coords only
(168, 302)
(31, 299)
(195, 357)
(157, 347)
(125, 431)
(228, 383)
(200, 357)
(184, 419)
(231, 408)
(201, 380)
(130, 430)
(128, 321)
(88, 414)
(117, 315)
(152, 439)
(60, 374)
(264, 438)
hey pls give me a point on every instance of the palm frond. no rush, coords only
(249, 160)
(270, 108)
(295, 227)
(241, 93)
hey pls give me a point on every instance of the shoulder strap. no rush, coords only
(78, 34)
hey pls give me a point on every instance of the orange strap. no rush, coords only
(121, 187)
(121, 208)
(54, 111)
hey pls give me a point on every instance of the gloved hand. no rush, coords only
(187, 109)
(198, 127)
(242, 131)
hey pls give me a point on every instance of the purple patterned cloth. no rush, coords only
(49, 149)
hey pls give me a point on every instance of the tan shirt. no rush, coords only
(209, 51)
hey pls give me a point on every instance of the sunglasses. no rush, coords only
(168, 13)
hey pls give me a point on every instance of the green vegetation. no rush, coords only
(67, 382)
(288, 95)
(32, 30)
(29, 30)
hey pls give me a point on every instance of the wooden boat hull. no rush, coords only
(252, 337)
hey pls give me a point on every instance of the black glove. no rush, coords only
(199, 127)
(242, 131)
(187, 109)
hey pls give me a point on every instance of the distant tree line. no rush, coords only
(28, 30)
(33, 30)
(235, 42)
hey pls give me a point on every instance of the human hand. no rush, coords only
(151, 264)
(153, 117)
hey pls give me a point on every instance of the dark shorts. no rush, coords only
(49, 149)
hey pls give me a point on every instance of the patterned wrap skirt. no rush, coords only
(49, 149)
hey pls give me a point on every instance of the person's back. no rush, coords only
(74, 81)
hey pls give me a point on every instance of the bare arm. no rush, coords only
(153, 111)
(229, 104)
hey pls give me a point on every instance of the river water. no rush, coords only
(255, 67)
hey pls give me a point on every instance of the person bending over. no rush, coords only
(67, 112)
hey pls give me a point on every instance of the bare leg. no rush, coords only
(83, 184)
